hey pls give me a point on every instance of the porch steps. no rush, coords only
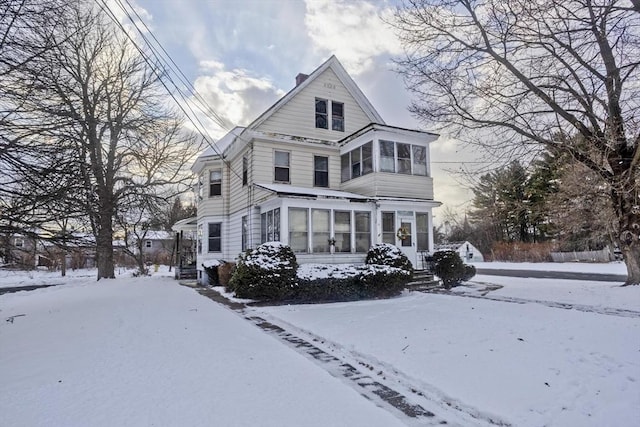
(422, 280)
(186, 273)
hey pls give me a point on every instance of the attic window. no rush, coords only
(337, 116)
(326, 109)
(322, 121)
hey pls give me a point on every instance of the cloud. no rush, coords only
(237, 96)
(354, 31)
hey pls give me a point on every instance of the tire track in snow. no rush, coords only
(382, 384)
(484, 294)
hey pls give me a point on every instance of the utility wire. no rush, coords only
(172, 66)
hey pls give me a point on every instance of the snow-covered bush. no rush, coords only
(448, 266)
(320, 282)
(266, 273)
(386, 254)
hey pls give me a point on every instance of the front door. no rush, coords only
(407, 237)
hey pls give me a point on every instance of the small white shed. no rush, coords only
(466, 250)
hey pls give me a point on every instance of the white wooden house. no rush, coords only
(319, 171)
(466, 250)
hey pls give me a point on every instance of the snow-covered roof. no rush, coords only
(187, 224)
(216, 150)
(158, 235)
(450, 246)
(313, 192)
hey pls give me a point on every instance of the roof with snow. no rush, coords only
(450, 246)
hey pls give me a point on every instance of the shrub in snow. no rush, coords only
(386, 254)
(448, 266)
(266, 273)
(469, 272)
(318, 283)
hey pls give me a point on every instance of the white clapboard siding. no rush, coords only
(301, 162)
(380, 184)
(297, 117)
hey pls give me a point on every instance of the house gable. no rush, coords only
(295, 113)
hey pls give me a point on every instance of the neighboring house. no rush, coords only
(157, 246)
(466, 250)
(319, 171)
(18, 250)
(28, 252)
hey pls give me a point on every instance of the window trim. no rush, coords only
(331, 120)
(317, 171)
(397, 159)
(210, 238)
(148, 244)
(388, 232)
(217, 183)
(347, 165)
(336, 119)
(357, 233)
(291, 231)
(276, 167)
(321, 114)
(245, 171)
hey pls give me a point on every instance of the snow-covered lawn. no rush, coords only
(147, 351)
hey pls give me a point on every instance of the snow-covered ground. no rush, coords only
(582, 267)
(146, 351)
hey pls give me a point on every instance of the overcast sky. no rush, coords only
(243, 55)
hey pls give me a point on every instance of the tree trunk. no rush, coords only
(628, 214)
(631, 255)
(104, 248)
(63, 263)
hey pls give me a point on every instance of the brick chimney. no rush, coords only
(300, 78)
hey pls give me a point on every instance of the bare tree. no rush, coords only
(525, 74)
(32, 171)
(94, 97)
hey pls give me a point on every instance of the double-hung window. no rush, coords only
(363, 231)
(342, 230)
(215, 182)
(282, 164)
(389, 227)
(422, 231)
(404, 158)
(245, 170)
(215, 237)
(387, 156)
(148, 244)
(325, 110)
(320, 171)
(419, 160)
(320, 223)
(322, 119)
(298, 229)
(337, 116)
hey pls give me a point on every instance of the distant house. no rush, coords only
(466, 250)
(18, 250)
(319, 171)
(157, 246)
